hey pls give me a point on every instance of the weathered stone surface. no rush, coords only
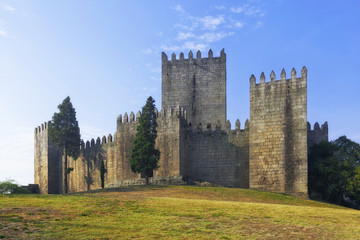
(318, 134)
(218, 157)
(47, 164)
(278, 135)
(198, 85)
(195, 140)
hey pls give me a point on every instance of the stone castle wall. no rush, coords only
(278, 133)
(195, 141)
(86, 173)
(115, 152)
(218, 156)
(168, 142)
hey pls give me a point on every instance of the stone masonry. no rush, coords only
(195, 140)
(196, 84)
(318, 134)
(278, 133)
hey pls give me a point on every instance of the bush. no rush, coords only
(10, 187)
(334, 171)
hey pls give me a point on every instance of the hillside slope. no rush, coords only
(176, 212)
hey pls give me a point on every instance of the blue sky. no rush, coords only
(106, 56)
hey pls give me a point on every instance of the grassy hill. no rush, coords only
(174, 212)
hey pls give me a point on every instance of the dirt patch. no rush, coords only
(268, 229)
(20, 223)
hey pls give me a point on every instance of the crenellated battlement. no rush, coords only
(177, 111)
(191, 58)
(218, 128)
(42, 128)
(294, 80)
(323, 128)
(317, 134)
(238, 128)
(98, 142)
(127, 119)
(164, 113)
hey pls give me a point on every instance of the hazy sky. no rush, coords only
(106, 56)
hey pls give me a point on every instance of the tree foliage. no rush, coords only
(64, 132)
(10, 187)
(103, 170)
(144, 157)
(334, 170)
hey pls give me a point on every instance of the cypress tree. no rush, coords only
(64, 132)
(144, 157)
(103, 170)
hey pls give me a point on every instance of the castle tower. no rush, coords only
(47, 164)
(196, 84)
(278, 134)
(318, 134)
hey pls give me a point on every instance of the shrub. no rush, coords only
(10, 187)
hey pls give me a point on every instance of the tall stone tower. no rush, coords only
(48, 162)
(196, 84)
(278, 134)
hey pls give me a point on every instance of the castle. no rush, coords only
(195, 138)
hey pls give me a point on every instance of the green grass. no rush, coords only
(174, 212)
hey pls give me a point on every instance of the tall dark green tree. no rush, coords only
(64, 132)
(103, 170)
(334, 170)
(144, 157)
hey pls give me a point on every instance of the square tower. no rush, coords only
(278, 134)
(196, 84)
(48, 162)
